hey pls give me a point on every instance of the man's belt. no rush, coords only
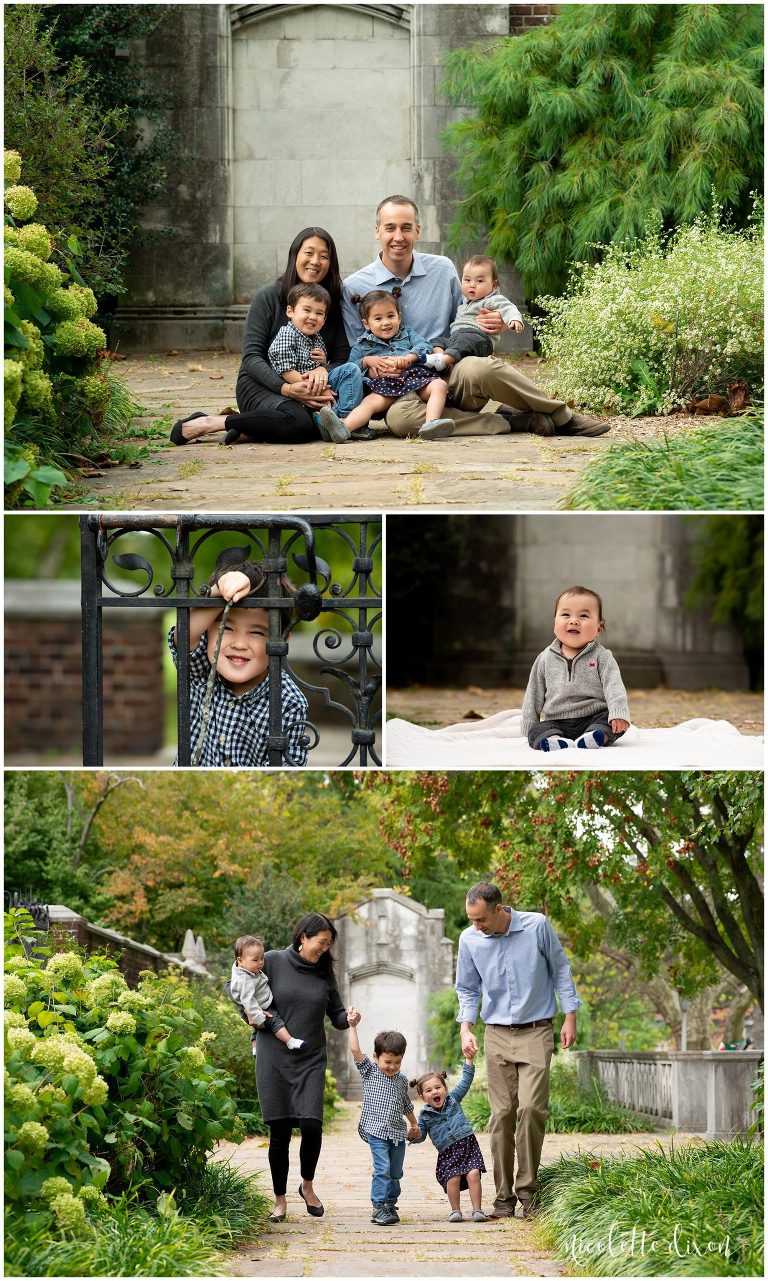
(520, 1027)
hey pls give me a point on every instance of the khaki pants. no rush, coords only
(475, 382)
(517, 1063)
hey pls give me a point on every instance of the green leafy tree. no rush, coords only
(729, 575)
(579, 128)
(671, 862)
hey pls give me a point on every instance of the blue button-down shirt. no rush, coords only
(519, 973)
(430, 296)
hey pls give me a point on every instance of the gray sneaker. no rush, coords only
(375, 1212)
(385, 1218)
(437, 429)
(392, 1209)
(331, 427)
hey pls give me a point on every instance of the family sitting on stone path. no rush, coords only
(514, 958)
(322, 357)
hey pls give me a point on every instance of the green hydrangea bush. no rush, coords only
(107, 1089)
(661, 320)
(57, 382)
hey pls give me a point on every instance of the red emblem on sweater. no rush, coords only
(593, 664)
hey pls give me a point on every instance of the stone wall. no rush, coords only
(289, 116)
(43, 673)
(392, 956)
(510, 570)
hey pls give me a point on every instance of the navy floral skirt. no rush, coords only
(400, 384)
(457, 1160)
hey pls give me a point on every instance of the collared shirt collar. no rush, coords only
(383, 274)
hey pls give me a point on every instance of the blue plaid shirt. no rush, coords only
(519, 973)
(291, 349)
(239, 724)
(385, 1102)
(431, 293)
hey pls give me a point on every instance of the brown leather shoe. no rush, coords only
(527, 420)
(527, 1209)
(506, 1210)
(582, 425)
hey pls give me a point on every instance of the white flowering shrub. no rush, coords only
(105, 1087)
(661, 320)
(56, 383)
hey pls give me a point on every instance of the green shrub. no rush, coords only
(230, 1051)
(58, 388)
(702, 469)
(660, 320)
(695, 1211)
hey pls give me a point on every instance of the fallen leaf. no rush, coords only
(174, 351)
(90, 471)
(472, 715)
(215, 377)
(195, 369)
(474, 689)
(135, 464)
(593, 1165)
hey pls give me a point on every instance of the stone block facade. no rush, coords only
(392, 956)
(43, 673)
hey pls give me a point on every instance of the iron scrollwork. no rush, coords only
(112, 576)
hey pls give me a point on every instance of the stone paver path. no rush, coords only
(651, 708)
(345, 1243)
(518, 472)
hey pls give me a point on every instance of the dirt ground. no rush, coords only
(510, 472)
(651, 708)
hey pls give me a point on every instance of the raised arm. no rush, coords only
(232, 586)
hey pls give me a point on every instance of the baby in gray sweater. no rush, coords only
(249, 989)
(480, 287)
(575, 695)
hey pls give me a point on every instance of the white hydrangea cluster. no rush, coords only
(121, 1022)
(66, 965)
(134, 1001)
(21, 1041)
(69, 1213)
(105, 989)
(14, 990)
(657, 322)
(33, 1136)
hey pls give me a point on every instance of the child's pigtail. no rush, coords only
(412, 1085)
(396, 292)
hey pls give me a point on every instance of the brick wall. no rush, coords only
(43, 682)
(66, 927)
(524, 16)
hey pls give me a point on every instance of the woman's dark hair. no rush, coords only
(331, 281)
(311, 924)
(364, 302)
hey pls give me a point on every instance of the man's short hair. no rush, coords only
(390, 1043)
(396, 200)
(484, 892)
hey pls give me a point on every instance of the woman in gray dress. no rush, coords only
(291, 1085)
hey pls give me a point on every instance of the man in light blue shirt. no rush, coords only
(430, 295)
(518, 962)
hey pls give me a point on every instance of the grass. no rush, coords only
(132, 1240)
(423, 469)
(190, 469)
(695, 1211)
(711, 468)
(283, 485)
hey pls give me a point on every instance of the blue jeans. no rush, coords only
(347, 382)
(388, 1158)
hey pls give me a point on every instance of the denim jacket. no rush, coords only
(447, 1124)
(405, 340)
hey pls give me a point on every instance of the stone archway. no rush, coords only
(321, 98)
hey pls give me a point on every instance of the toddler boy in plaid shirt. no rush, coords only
(238, 725)
(385, 1103)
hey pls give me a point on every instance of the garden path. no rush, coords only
(346, 1244)
(519, 472)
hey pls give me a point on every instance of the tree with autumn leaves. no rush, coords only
(652, 880)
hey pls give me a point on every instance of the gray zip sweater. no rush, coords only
(466, 316)
(593, 684)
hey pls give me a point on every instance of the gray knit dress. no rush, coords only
(291, 1083)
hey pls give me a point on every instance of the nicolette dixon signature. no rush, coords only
(641, 1242)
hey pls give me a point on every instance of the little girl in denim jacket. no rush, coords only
(459, 1159)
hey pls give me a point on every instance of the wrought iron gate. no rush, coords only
(283, 544)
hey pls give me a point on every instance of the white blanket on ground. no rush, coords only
(498, 743)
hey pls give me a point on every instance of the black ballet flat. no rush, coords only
(366, 433)
(176, 437)
(317, 1211)
(276, 1218)
(232, 436)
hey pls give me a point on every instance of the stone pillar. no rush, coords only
(391, 957)
(180, 283)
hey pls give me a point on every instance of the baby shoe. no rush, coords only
(330, 426)
(455, 1216)
(435, 360)
(479, 1217)
(437, 429)
(595, 739)
(295, 1044)
(557, 744)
